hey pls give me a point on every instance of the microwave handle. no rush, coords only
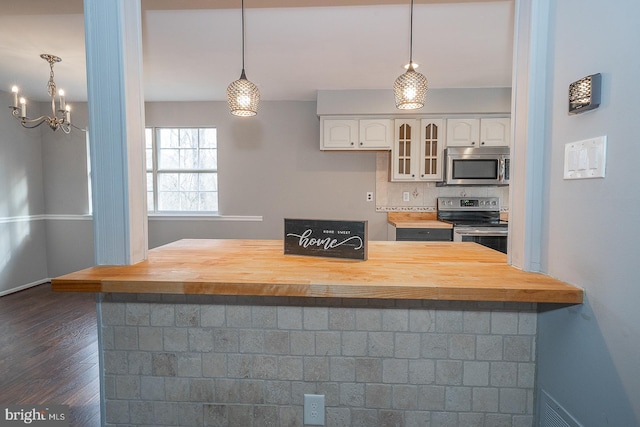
(501, 172)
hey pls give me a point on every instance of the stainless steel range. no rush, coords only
(475, 219)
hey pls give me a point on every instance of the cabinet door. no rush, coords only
(431, 149)
(495, 132)
(376, 134)
(403, 157)
(339, 134)
(463, 132)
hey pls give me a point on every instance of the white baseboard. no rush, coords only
(23, 287)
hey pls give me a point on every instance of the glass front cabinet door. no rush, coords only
(417, 150)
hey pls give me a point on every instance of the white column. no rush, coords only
(116, 130)
(529, 134)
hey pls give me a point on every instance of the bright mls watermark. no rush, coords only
(34, 415)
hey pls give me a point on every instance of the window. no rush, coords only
(182, 169)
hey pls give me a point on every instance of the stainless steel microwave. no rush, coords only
(477, 166)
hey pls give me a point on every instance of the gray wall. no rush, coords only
(271, 166)
(589, 355)
(439, 101)
(69, 238)
(22, 230)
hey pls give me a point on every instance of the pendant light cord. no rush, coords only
(410, 39)
(243, 36)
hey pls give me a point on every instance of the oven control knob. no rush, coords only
(493, 203)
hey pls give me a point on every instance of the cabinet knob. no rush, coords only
(473, 143)
(413, 175)
(361, 143)
(352, 143)
(482, 143)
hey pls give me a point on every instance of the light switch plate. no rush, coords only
(585, 159)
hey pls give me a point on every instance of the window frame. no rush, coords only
(155, 170)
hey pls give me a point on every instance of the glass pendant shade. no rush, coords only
(410, 90)
(243, 97)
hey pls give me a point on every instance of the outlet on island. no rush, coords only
(314, 409)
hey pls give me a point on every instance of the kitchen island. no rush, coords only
(233, 332)
(394, 270)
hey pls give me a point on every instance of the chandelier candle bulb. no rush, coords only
(67, 114)
(23, 107)
(62, 104)
(15, 91)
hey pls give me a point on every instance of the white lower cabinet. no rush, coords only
(356, 134)
(417, 150)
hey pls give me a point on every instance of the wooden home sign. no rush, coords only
(333, 239)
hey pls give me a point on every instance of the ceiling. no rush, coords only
(192, 48)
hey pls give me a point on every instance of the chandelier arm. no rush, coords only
(33, 123)
(39, 120)
(66, 128)
(76, 127)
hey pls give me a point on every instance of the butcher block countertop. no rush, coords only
(416, 220)
(393, 270)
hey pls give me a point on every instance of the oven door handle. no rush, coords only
(479, 232)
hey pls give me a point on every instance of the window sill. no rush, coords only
(194, 216)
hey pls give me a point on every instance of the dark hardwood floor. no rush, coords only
(49, 352)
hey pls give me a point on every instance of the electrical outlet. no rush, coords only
(314, 409)
(405, 196)
(369, 196)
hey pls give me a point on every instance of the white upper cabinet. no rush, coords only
(495, 132)
(417, 150)
(404, 153)
(463, 132)
(376, 134)
(339, 134)
(356, 134)
(431, 149)
(489, 132)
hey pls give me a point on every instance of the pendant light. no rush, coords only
(242, 95)
(410, 88)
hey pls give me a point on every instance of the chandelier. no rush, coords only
(242, 95)
(410, 89)
(55, 121)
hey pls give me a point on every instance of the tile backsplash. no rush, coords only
(423, 196)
